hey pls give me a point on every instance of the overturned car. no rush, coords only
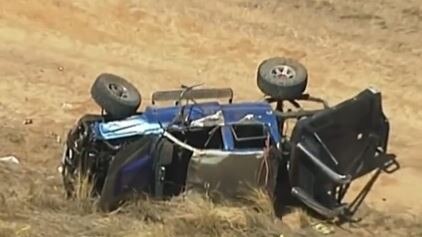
(201, 143)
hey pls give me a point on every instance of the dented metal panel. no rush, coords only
(230, 175)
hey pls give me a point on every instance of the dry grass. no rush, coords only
(23, 209)
(38, 208)
(196, 215)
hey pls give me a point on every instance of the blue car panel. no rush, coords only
(155, 120)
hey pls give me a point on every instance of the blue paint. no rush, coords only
(155, 119)
(135, 175)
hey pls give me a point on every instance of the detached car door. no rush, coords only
(334, 147)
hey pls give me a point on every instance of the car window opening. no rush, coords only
(251, 135)
(204, 138)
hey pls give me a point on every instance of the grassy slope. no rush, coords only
(346, 45)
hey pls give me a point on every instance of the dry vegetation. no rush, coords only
(24, 210)
(38, 208)
(51, 51)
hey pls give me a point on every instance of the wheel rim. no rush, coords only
(118, 90)
(283, 72)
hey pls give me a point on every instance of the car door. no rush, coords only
(130, 172)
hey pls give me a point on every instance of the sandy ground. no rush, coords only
(51, 51)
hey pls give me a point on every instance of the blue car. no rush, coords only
(203, 141)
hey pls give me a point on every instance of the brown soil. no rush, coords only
(52, 50)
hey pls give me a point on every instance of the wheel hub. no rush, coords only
(283, 72)
(118, 90)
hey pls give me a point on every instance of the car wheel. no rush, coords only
(282, 78)
(118, 97)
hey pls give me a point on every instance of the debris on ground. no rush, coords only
(323, 229)
(66, 106)
(57, 137)
(28, 122)
(9, 159)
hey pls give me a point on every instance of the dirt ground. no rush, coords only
(51, 51)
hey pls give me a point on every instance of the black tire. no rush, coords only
(282, 78)
(118, 97)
